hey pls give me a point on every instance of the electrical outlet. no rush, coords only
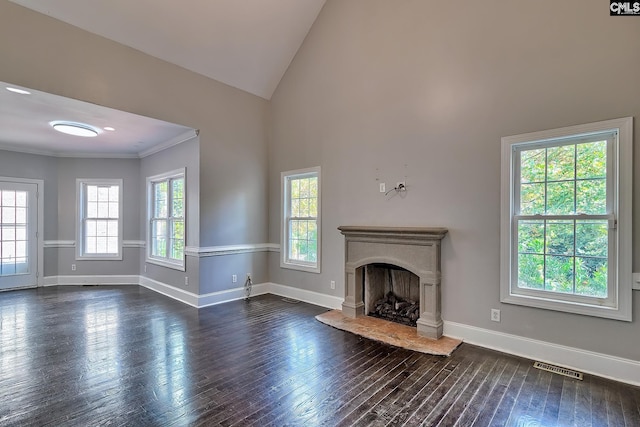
(186, 280)
(495, 315)
(234, 278)
(73, 267)
(333, 284)
(383, 187)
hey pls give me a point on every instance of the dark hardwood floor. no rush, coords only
(87, 356)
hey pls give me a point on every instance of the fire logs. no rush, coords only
(397, 309)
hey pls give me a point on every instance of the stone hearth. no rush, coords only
(416, 249)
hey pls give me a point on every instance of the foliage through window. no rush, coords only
(563, 228)
(100, 219)
(301, 227)
(166, 219)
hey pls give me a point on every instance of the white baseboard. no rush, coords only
(603, 365)
(91, 280)
(311, 297)
(615, 368)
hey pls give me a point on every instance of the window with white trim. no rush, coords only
(166, 219)
(301, 220)
(566, 219)
(99, 228)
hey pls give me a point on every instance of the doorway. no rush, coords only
(20, 224)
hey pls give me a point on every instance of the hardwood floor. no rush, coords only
(86, 356)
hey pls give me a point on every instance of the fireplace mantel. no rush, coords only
(416, 249)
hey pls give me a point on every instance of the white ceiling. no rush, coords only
(25, 127)
(247, 44)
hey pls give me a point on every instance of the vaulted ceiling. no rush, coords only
(247, 44)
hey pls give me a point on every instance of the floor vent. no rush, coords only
(290, 300)
(559, 370)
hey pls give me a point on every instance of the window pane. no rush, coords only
(101, 228)
(177, 195)
(592, 238)
(295, 188)
(92, 210)
(561, 163)
(313, 187)
(530, 271)
(90, 228)
(591, 277)
(114, 193)
(532, 199)
(112, 245)
(114, 210)
(8, 198)
(103, 210)
(591, 197)
(103, 194)
(8, 215)
(92, 193)
(592, 160)
(9, 232)
(101, 245)
(558, 273)
(304, 208)
(532, 166)
(90, 243)
(160, 200)
(304, 187)
(560, 237)
(560, 198)
(21, 232)
(531, 237)
(21, 198)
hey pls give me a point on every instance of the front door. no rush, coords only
(18, 235)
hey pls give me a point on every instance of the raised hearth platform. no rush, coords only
(389, 333)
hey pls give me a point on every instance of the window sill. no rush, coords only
(615, 313)
(99, 257)
(167, 264)
(300, 267)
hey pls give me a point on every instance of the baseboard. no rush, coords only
(311, 297)
(91, 280)
(615, 368)
(181, 295)
(602, 365)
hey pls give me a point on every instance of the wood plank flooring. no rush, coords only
(89, 356)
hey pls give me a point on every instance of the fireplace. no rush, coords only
(412, 249)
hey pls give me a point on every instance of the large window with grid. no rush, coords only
(301, 220)
(566, 219)
(99, 230)
(166, 224)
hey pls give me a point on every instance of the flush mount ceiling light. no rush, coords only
(73, 128)
(20, 91)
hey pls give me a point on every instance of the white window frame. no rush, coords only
(285, 181)
(154, 259)
(619, 303)
(81, 206)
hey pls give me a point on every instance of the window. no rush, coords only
(99, 228)
(566, 219)
(166, 224)
(301, 220)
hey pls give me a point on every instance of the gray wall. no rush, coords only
(185, 155)
(21, 165)
(385, 91)
(69, 170)
(233, 124)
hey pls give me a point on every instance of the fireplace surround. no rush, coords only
(416, 249)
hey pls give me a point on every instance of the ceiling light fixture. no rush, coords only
(20, 91)
(73, 128)
(109, 128)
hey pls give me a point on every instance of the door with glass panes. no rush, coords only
(18, 235)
